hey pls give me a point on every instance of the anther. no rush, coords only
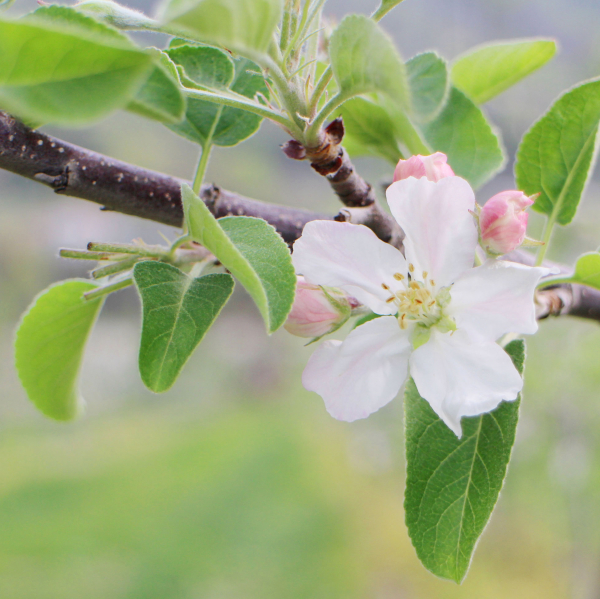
(385, 286)
(418, 301)
(424, 274)
(432, 282)
(389, 300)
(398, 276)
(414, 285)
(411, 268)
(431, 304)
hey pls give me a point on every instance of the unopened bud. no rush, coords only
(317, 310)
(503, 222)
(433, 167)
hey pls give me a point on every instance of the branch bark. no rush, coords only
(129, 189)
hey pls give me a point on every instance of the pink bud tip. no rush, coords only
(433, 167)
(503, 222)
(315, 312)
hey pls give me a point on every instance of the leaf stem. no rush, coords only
(205, 155)
(115, 268)
(546, 239)
(312, 134)
(102, 291)
(319, 90)
(383, 10)
(236, 101)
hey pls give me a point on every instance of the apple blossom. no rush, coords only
(318, 311)
(439, 319)
(433, 167)
(503, 222)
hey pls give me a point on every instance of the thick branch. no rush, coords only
(129, 189)
(125, 188)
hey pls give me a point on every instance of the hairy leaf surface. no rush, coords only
(429, 85)
(369, 130)
(364, 59)
(252, 251)
(557, 154)
(211, 68)
(242, 25)
(487, 71)
(462, 132)
(177, 310)
(452, 484)
(159, 97)
(62, 67)
(49, 346)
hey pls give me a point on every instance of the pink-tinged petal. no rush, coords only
(503, 222)
(433, 167)
(362, 374)
(461, 378)
(441, 235)
(496, 298)
(351, 257)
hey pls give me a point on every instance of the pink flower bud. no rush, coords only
(317, 312)
(503, 222)
(433, 167)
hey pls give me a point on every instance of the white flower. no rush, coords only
(440, 316)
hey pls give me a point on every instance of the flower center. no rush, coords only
(419, 302)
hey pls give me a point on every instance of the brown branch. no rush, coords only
(81, 173)
(129, 189)
(331, 160)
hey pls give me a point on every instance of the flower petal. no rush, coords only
(441, 235)
(362, 374)
(496, 298)
(351, 257)
(461, 378)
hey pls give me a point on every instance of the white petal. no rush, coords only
(496, 298)
(351, 257)
(461, 378)
(362, 374)
(441, 235)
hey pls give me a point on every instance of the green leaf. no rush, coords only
(429, 85)
(252, 251)
(587, 272)
(160, 97)
(463, 133)
(369, 130)
(364, 59)
(209, 68)
(557, 154)
(452, 484)
(243, 25)
(178, 310)
(489, 70)
(49, 346)
(206, 67)
(63, 67)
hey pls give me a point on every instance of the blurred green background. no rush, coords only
(237, 483)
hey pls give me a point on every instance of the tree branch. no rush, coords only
(129, 189)
(125, 188)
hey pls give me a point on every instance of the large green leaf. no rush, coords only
(452, 484)
(252, 251)
(160, 97)
(369, 130)
(429, 85)
(243, 25)
(63, 67)
(364, 59)
(463, 133)
(557, 154)
(208, 67)
(178, 310)
(50, 343)
(489, 70)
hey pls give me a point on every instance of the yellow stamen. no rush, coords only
(398, 276)
(411, 268)
(385, 286)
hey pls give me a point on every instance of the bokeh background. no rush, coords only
(237, 483)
